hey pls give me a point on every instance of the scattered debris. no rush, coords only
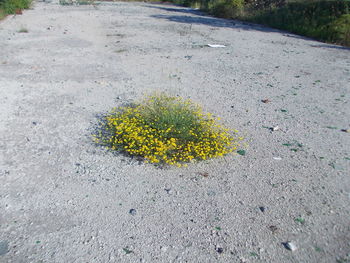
(300, 220)
(219, 249)
(241, 152)
(23, 30)
(132, 212)
(277, 158)
(290, 246)
(276, 128)
(318, 249)
(127, 250)
(273, 229)
(204, 174)
(262, 209)
(266, 101)
(215, 45)
(297, 146)
(332, 165)
(345, 130)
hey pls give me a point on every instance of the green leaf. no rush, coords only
(299, 220)
(218, 228)
(241, 152)
(287, 144)
(332, 127)
(283, 110)
(127, 251)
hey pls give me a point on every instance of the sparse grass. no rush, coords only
(23, 30)
(167, 130)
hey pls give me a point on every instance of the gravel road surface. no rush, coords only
(65, 199)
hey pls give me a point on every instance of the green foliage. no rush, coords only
(10, 6)
(226, 8)
(263, 4)
(339, 30)
(327, 20)
(324, 20)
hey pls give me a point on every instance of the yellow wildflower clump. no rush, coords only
(169, 130)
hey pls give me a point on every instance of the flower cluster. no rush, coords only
(169, 130)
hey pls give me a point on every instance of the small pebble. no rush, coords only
(132, 212)
(273, 228)
(290, 246)
(219, 249)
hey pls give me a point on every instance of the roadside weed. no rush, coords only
(167, 130)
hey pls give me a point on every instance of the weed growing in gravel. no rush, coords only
(23, 30)
(167, 130)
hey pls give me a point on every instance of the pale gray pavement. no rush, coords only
(64, 199)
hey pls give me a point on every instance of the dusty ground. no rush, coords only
(64, 199)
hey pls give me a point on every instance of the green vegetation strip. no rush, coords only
(12, 6)
(324, 20)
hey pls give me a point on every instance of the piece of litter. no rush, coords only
(266, 101)
(277, 158)
(241, 152)
(215, 45)
(346, 130)
(290, 246)
(276, 128)
(132, 212)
